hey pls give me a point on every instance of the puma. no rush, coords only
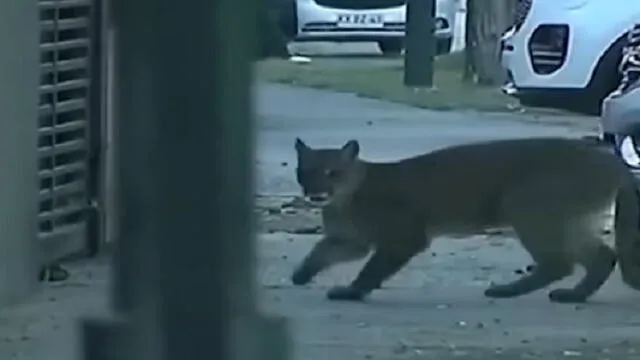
(551, 191)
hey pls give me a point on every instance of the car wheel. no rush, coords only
(443, 46)
(604, 80)
(627, 150)
(392, 47)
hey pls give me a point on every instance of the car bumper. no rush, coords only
(621, 114)
(544, 95)
(532, 63)
(620, 124)
(528, 51)
(319, 23)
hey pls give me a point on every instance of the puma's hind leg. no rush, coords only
(542, 233)
(598, 260)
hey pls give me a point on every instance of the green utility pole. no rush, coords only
(184, 271)
(420, 43)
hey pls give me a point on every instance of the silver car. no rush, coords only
(381, 21)
(620, 119)
(620, 124)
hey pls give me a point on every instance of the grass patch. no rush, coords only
(382, 78)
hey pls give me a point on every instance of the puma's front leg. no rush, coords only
(326, 253)
(384, 263)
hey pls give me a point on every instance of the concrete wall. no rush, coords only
(19, 79)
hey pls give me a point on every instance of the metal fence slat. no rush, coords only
(62, 169)
(74, 64)
(66, 127)
(64, 106)
(66, 189)
(63, 86)
(62, 4)
(62, 148)
(64, 123)
(62, 45)
(65, 24)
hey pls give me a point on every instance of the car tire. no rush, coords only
(604, 80)
(443, 46)
(390, 47)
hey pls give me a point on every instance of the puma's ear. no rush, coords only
(351, 150)
(301, 146)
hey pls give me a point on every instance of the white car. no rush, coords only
(381, 21)
(565, 54)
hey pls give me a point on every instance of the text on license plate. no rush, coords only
(360, 20)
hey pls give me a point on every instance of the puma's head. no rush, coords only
(323, 172)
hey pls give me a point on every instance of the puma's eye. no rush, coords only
(331, 173)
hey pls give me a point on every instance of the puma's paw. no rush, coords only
(500, 291)
(345, 293)
(566, 296)
(53, 273)
(301, 277)
(303, 274)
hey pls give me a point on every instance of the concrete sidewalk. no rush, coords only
(432, 308)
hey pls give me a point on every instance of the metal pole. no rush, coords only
(420, 43)
(19, 186)
(95, 214)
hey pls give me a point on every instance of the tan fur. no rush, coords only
(548, 190)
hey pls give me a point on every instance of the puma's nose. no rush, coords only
(317, 198)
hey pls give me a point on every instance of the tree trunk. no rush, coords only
(487, 23)
(271, 41)
(469, 44)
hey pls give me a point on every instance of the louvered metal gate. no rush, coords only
(69, 126)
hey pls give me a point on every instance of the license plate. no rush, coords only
(360, 20)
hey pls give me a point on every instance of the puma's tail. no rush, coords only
(627, 233)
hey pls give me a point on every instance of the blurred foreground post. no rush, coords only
(19, 185)
(184, 266)
(420, 43)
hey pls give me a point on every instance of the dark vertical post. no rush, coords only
(102, 339)
(469, 42)
(184, 272)
(184, 265)
(110, 131)
(420, 43)
(19, 80)
(185, 158)
(96, 117)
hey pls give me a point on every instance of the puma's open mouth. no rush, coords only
(318, 199)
